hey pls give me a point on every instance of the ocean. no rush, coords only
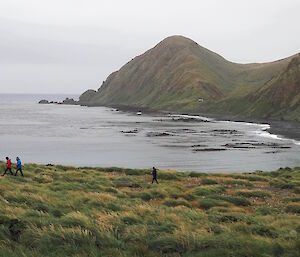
(105, 137)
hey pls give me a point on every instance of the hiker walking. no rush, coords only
(19, 167)
(8, 166)
(154, 174)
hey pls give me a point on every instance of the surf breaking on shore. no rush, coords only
(263, 130)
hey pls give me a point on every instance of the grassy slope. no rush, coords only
(280, 98)
(65, 211)
(176, 73)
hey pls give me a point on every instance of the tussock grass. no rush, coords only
(249, 177)
(197, 174)
(208, 203)
(238, 182)
(67, 211)
(238, 201)
(209, 190)
(266, 211)
(293, 208)
(174, 203)
(207, 181)
(284, 184)
(257, 194)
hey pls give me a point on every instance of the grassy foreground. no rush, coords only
(65, 211)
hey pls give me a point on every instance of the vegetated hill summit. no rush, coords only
(180, 75)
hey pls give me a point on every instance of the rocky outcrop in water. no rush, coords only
(158, 134)
(43, 101)
(68, 101)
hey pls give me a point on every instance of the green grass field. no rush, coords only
(66, 211)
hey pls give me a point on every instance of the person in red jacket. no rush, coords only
(8, 166)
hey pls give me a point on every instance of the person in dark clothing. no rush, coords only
(154, 174)
(19, 167)
(8, 166)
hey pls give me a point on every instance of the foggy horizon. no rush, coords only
(67, 47)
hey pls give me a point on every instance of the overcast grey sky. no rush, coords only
(68, 46)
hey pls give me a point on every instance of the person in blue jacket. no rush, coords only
(19, 167)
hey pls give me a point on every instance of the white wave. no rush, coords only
(261, 125)
(295, 142)
(191, 117)
(264, 133)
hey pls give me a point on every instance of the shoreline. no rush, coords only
(145, 170)
(285, 129)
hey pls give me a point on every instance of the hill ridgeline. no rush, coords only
(181, 76)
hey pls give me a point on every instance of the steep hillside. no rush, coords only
(178, 72)
(280, 97)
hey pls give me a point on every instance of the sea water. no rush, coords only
(105, 137)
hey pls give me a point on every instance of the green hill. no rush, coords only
(179, 75)
(67, 211)
(280, 97)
